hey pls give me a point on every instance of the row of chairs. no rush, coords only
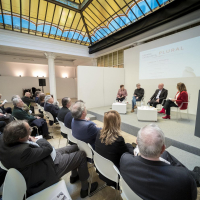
(97, 161)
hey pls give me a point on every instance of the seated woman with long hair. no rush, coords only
(109, 142)
(180, 101)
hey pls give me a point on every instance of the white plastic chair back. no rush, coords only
(14, 186)
(84, 147)
(105, 166)
(61, 126)
(50, 116)
(127, 193)
(2, 167)
(70, 136)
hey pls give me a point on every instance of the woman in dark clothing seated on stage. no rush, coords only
(109, 142)
(41, 99)
(180, 100)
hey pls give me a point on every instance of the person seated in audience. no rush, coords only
(4, 110)
(20, 114)
(159, 95)
(109, 142)
(40, 164)
(2, 122)
(37, 94)
(50, 107)
(137, 96)
(41, 99)
(155, 173)
(27, 100)
(66, 103)
(82, 128)
(2, 178)
(122, 93)
(180, 100)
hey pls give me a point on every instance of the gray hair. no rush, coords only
(47, 97)
(15, 96)
(150, 141)
(16, 101)
(77, 110)
(137, 84)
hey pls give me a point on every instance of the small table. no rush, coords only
(146, 113)
(119, 107)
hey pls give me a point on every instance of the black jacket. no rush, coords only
(139, 92)
(111, 152)
(35, 164)
(62, 112)
(163, 95)
(157, 180)
(27, 100)
(52, 109)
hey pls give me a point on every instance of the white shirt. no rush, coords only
(158, 95)
(53, 153)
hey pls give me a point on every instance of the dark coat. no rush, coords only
(52, 109)
(27, 100)
(163, 95)
(68, 120)
(62, 112)
(35, 164)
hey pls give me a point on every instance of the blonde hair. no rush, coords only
(111, 129)
(181, 87)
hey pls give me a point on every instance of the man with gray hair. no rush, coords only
(20, 114)
(137, 96)
(50, 107)
(156, 174)
(82, 128)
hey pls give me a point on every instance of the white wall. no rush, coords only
(10, 86)
(131, 64)
(98, 86)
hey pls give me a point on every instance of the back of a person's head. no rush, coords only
(47, 97)
(77, 109)
(41, 97)
(14, 131)
(65, 101)
(37, 93)
(150, 141)
(16, 100)
(111, 128)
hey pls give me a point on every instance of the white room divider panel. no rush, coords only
(90, 86)
(113, 78)
(98, 86)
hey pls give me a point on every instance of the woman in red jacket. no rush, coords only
(181, 96)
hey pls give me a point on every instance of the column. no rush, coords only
(52, 77)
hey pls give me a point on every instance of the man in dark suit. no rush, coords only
(159, 95)
(27, 100)
(50, 107)
(82, 128)
(156, 174)
(40, 164)
(66, 103)
(20, 114)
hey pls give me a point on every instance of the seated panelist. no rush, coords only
(122, 93)
(159, 95)
(137, 96)
(180, 100)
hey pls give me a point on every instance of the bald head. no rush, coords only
(160, 86)
(28, 94)
(150, 141)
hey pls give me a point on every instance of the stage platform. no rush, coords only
(178, 133)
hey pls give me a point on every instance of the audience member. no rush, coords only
(20, 114)
(82, 128)
(41, 99)
(122, 93)
(180, 100)
(137, 96)
(27, 100)
(66, 103)
(109, 142)
(37, 94)
(159, 95)
(40, 164)
(4, 110)
(50, 107)
(156, 174)
(2, 122)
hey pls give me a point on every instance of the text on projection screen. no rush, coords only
(180, 59)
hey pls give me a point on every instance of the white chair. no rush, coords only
(2, 166)
(62, 130)
(71, 138)
(16, 181)
(127, 193)
(105, 167)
